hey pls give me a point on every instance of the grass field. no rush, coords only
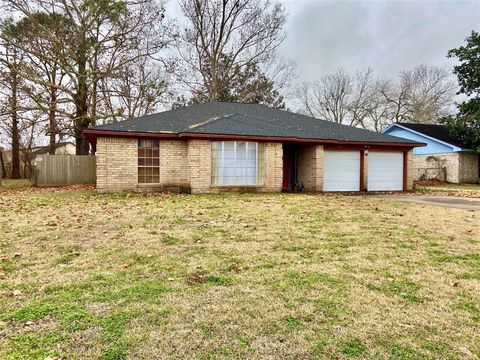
(87, 276)
(462, 190)
(14, 183)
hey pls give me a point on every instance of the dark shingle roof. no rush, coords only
(439, 132)
(246, 120)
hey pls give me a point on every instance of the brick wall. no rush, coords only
(310, 167)
(462, 167)
(186, 165)
(429, 166)
(468, 172)
(116, 164)
(199, 153)
(173, 165)
(200, 169)
(273, 167)
(410, 172)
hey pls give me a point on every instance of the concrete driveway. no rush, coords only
(445, 201)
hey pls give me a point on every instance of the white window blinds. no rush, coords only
(238, 163)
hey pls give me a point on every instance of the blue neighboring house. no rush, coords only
(444, 157)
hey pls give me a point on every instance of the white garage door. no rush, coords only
(341, 170)
(385, 171)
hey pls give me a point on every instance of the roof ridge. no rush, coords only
(208, 121)
(419, 124)
(253, 117)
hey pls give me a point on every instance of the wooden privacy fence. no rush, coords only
(57, 170)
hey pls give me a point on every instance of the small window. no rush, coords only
(237, 163)
(148, 162)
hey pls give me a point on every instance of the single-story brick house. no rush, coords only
(444, 158)
(215, 147)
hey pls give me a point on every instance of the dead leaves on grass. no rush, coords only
(195, 279)
(227, 255)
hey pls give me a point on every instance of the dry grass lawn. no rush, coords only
(87, 276)
(462, 190)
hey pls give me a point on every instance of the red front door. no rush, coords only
(287, 170)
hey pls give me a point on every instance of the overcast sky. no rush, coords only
(388, 36)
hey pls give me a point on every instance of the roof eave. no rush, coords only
(455, 148)
(93, 133)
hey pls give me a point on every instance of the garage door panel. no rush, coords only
(341, 170)
(385, 171)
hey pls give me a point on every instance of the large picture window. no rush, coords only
(238, 163)
(148, 162)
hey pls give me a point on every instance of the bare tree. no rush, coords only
(27, 142)
(45, 95)
(379, 110)
(224, 43)
(396, 94)
(339, 97)
(10, 113)
(17, 124)
(140, 89)
(423, 95)
(431, 90)
(97, 40)
(362, 98)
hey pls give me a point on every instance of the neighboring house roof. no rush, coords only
(238, 119)
(36, 150)
(438, 132)
(44, 149)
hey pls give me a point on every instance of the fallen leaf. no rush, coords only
(195, 279)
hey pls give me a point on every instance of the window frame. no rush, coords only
(217, 179)
(148, 159)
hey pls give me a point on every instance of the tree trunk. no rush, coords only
(15, 134)
(81, 121)
(3, 169)
(52, 120)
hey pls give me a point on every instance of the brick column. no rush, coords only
(199, 159)
(310, 167)
(364, 171)
(319, 167)
(273, 166)
(409, 170)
